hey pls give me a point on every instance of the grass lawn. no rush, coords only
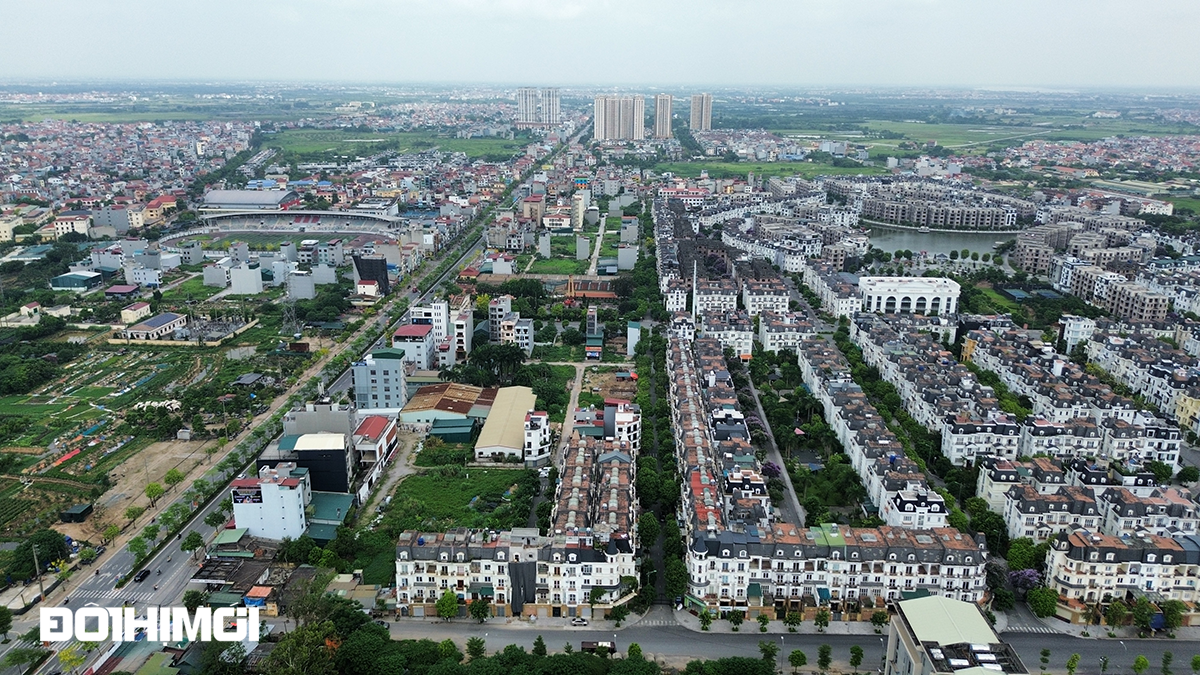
(561, 353)
(1003, 303)
(559, 266)
(192, 289)
(1192, 203)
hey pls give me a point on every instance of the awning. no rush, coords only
(754, 590)
(823, 595)
(919, 593)
(482, 589)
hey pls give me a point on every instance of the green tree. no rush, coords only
(304, 651)
(706, 619)
(215, 519)
(736, 617)
(1044, 657)
(648, 530)
(797, 659)
(619, 614)
(1196, 664)
(768, 649)
(635, 652)
(1043, 601)
(821, 620)
(138, 547)
(23, 656)
(1172, 611)
(174, 477)
(134, 512)
(1140, 664)
(71, 658)
(1021, 554)
(192, 599)
(856, 657)
(965, 253)
(88, 555)
(6, 621)
(477, 649)
(1072, 664)
(1167, 658)
(824, 657)
(479, 610)
(448, 650)
(793, 620)
(153, 492)
(447, 606)
(539, 646)
(1103, 665)
(1116, 613)
(193, 542)
(1143, 614)
(879, 619)
(111, 532)
(763, 622)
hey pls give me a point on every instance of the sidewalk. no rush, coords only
(750, 626)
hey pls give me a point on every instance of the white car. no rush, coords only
(579, 621)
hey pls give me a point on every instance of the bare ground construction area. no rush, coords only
(129, 481)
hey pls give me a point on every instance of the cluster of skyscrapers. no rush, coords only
(538, 107)
(623, 117)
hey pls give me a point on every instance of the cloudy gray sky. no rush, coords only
(1071, 43)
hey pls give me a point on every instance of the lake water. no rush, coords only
(893, 239)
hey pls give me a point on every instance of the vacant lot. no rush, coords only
(455, 496)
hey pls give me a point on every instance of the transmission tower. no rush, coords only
(290, 325)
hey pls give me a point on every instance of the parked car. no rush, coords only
(381, 622)
(579, 621)
(141, 576)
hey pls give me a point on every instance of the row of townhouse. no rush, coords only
(1116, 511)
(738, 562)
(1062, 392)
(1148, 366)
(784, 330)
(937, 391)
(898, 492)
(734, 330)
(788, 253)
(1112, 291)
(998, 475)
(837, 290)
(1090, 567)
(517, 572)
(765, 295)
(719, 209)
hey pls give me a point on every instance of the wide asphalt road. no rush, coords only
(677, 641)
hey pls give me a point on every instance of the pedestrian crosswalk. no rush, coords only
(114, 594)
(658, 622)
(1030, 629)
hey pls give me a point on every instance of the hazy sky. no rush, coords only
(1068, 43)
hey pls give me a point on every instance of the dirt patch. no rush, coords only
(606, 385)
(23, 450)
(149, 466)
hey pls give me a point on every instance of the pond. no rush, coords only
(892, 239)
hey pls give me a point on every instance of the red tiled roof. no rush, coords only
(413, 330)
(372, 427)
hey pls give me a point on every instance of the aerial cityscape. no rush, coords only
(748, 362)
